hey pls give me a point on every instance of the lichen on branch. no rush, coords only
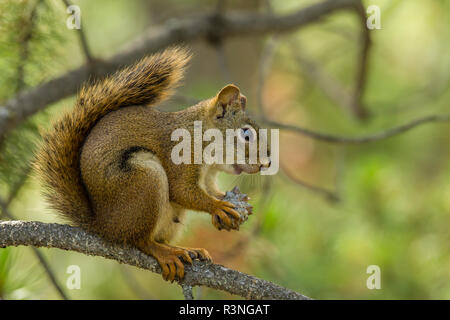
(65, 237)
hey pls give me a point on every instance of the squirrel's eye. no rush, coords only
(247, 133)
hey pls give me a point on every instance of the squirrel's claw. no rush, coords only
(170, 259)
(225, 217)
(172, 267)
(199, 253)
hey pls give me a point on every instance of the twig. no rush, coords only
(330, 87)
(329, 195)
(358, 140)
(265, 64)
(415, 98)
(38, 234)
(264, 68)
(50, 274)
(30, 101)
(361, 73)
(187, 291)
(352, 101)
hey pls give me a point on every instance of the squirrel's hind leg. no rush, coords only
(130, 200)
(169, 256)
(133, 207)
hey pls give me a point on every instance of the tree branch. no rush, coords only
(206, 27)
(328, 194)
(187, 292)
(361, 74)
(51, 235)
(357, 140)
(40, 257)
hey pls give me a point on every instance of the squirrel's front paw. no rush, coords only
(224, 216)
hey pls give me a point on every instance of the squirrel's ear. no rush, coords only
(228, 95)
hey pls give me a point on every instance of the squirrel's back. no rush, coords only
(147, 82)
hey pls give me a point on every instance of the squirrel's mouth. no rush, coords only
(237, 169)
(249, 169)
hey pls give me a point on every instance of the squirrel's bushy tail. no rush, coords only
(147, 82)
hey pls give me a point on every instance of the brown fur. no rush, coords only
(108, 168)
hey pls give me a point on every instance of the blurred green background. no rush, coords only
(394, 194)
